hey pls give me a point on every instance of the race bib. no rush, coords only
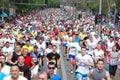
(21, 73)
(82, 62)
(113, 61)
(5, 53)
(73, 49)
(11, 43)
(79, 51)
(35, 59)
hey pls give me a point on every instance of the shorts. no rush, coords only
(112, 69)
(81, 76)
(71, 56)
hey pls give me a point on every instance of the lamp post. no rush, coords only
(100, 13)
(115, 13)
(2, 10)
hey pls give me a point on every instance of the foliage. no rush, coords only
(118, 5)
(53, 3)
(93, 5)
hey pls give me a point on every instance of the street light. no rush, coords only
(100, 13)
(2, 10)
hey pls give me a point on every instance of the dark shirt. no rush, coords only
(24, 71)
(21, 44)
(15, 57)
(53, 57)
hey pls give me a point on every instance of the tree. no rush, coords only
(117, 5)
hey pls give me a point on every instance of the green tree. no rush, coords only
(118, 4)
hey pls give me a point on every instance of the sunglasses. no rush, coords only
(42, 79)
(51, 67)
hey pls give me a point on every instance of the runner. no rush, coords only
(84, 62)
(14, 74)
(99, 73)
(114, 56)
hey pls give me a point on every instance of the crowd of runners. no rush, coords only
(29, 41)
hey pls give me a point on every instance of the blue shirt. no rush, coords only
(2, 75)
(77, 40)
(56, 77)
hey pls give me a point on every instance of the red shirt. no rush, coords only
(28, 61)
(56, 32)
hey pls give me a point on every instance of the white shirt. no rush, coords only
(6, 70)
(110, 45)
(33, 42)
(1, 40)
(98, 53)
(6, 50)
(57, 43)
(82, 68)
(35, 70)
(73, 48)
(96, 39)
(20, 78)
(41, 47)
(48, 50)
(6, 40)
(91, 45)
(65, 37)
(12, 41)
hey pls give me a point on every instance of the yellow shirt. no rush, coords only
(18, 36)
(30, 48)
(82, 36)
(34, 33)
